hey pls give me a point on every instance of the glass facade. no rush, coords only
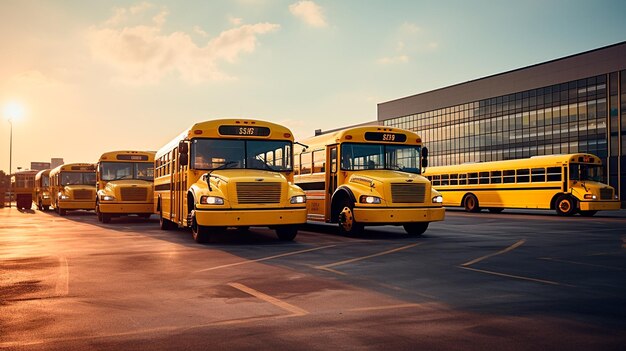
(585, 115)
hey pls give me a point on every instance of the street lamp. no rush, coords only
(12, 111)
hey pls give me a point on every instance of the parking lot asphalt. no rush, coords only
(518, 280)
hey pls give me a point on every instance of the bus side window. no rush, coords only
(305, 163)
(462, 179)
(554, 174)
(454, 179)
(538, 175)
(436, 180)
(522, 175)
(496, 177)
(508, 176)
(319, 159)
(296, 164)
(472, 178)
(444, 179)
(484, 178)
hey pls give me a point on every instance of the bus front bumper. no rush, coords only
(264, 218)
(46, 201)
(77, 205)
(599, 205)
(398, 215)
(126, 208)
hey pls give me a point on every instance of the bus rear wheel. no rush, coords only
(565, 206)
(62, 212)
(200, 233)
(416, 229)
(348, 226)
(471, 203)
(165, 224)
(287, 232)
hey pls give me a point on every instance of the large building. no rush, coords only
(572, 104)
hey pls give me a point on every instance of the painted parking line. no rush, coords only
(510, 248)
(295, 311)
(543, 281)
(264, 258)
(327, 267)
(382, 308)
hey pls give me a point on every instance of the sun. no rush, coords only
(13, 110)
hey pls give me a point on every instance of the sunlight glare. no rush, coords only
(13, 111)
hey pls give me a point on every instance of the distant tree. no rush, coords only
(5, 180)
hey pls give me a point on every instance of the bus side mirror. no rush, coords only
(183, 153)
(424, 157)
(183, 159)
(183, 148)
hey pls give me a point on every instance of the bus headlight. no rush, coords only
(300, 199)
(590, 197)
(366, 199)
(64, 197)
(45, 196)
(211, 200)
(438, 199)
(107, 198)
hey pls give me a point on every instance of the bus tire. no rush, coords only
(565, 206)
(200, 233)
(416, 229)
(164, 224)
(62, 212)
(287, 232)
(46, 208)
(471, 203)
(104, 217)
(348, 226)
(587, 213)
(40, 206)
(495, 209)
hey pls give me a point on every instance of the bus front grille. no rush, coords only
(606, 194)
(258, 193)
(408, 193)
(133, 194)
(84, 195)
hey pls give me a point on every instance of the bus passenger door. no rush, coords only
(331, 178)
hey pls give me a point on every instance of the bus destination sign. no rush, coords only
(132, 157)
(244, 130)
(390, 137)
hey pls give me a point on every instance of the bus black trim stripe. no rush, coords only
(161, 187)
(312, 186)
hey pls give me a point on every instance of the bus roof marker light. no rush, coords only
(197, 131)
(287, 135)
(348, 137)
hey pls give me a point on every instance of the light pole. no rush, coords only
(10, 119)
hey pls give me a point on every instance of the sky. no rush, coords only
(95, 76)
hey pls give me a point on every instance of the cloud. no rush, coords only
(235, 20)
(133, 42)
(408, 41)
(309, 12)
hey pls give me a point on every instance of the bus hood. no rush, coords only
(386, 176)
(247, 175)
(128, 190)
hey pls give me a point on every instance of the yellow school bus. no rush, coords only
(229, 173)
(125, 183)
(43, 199)
(367, 176)
(22, 188)
(565, 183)
(73, 187)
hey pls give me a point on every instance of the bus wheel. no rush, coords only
(45, 208)
(200, 233)
(62, 212)
(565, 206)
(164, 224)
(287, 232)
(40, 206)
(104, 217)
(416, 228)
(347, 224)
(471, 203)
(587, 213)
(495, 210)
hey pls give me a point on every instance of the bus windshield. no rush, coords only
(78, 178)
(356, 157)
(45, 181)
(583, 172)
(271, 155)
(126, 170)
